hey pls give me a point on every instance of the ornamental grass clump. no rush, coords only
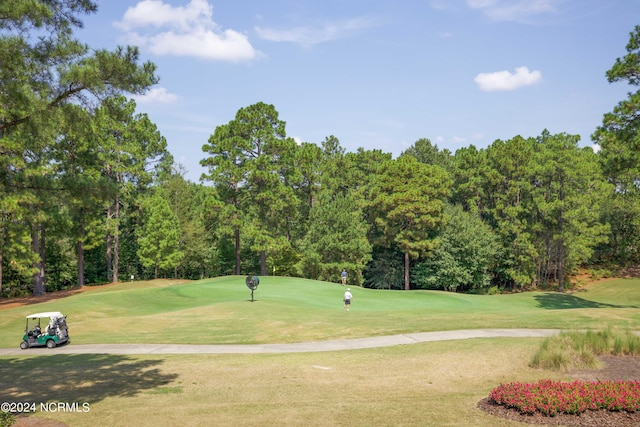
(556, 397)
(578, 349)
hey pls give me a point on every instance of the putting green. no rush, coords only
(291, 310)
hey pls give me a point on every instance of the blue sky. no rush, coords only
(377, 74)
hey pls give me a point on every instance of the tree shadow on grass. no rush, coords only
(560, 301)
(78, 378)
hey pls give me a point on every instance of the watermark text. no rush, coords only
(54, 406)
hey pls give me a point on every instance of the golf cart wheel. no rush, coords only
(24, 345)
(51, 344)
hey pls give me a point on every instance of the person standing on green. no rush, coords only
(347, 299)
(344, 276)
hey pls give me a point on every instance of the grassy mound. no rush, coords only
(285, 310)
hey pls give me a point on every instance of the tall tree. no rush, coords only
(42, 69)
(190, 203)
(567, 198)
(336, 167)
(619, 141)
(20, 209)
(308, 160)
(159, 238)
(426, 152)
(252, 160)
(408, 199)
(130, 146)
(337, 239)
(85, 187)
(465, 256)
(14, 237)
(507, 206)
(226, 165)
(364, 166)
(470, 168)
(274, 204)
(39, 178)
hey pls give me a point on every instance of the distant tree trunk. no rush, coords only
(560, 268)
(108, 257)
(560, 262)
(80, 249)
(34, 248)
(108, 244)
(561, 243)
(406, 271)
(0, 270)
(263, 263)
(37, 244)
(43, 257)
(116, 242)
(237, 239)
(116, 258)
(2, 240)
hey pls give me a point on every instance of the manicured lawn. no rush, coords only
(436, 383)
(220, 311)
(430, 384)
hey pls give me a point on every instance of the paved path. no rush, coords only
(333, 345)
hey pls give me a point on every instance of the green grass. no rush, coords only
(220, 311)
(436, 383)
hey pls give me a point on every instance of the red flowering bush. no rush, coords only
(555, 397)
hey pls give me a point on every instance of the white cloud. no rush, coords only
(183, 31)
(505, 80)
(155, 13)
(309, 35)
(157, 95)
(513, 10)
(228, 45)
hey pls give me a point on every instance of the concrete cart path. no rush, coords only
(305, 347)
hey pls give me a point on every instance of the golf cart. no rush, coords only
(55, 332)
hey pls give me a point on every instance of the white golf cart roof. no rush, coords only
(47, 314)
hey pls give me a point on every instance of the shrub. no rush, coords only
(6, 419)
(554, 397)
(603, 273)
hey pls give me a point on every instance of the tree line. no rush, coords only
(90, 193)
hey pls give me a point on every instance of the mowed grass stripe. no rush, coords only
(220, 311)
